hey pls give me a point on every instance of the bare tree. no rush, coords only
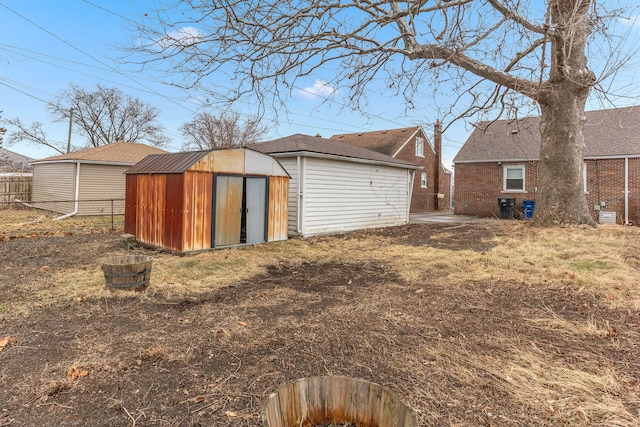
(3, 130)
(99, 117)
(207, 131)
(499, 51)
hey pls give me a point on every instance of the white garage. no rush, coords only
(337, 187)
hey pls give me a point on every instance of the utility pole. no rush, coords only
(70, 122)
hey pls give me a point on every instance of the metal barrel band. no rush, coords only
(146, 271)
(129, 285)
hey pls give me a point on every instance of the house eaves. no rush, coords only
(404, 165)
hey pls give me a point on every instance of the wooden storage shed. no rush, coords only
(207, 199)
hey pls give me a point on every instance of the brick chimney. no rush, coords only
(437, 146)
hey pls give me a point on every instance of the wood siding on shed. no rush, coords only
(131, 204)
(198, 196)
(150, 214)
(278, 211)
(54, 182)
(341, 196)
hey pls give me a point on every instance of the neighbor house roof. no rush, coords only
(316, 146)
(14, 162)
(607, 133)
(116, 152)
(387, 142)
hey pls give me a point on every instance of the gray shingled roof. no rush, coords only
(14, 162)
(299, 143)
(607, 133)
(383, 141)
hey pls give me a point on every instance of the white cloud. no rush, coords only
(631, 21)
(182, 37)
(320, 88)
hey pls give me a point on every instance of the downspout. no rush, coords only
(75, 209)
(626, 191)
(411, 178)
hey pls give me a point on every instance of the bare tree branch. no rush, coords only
(260, 49)
(207, 131)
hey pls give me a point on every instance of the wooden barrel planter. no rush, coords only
(336, 401)
(127, 271)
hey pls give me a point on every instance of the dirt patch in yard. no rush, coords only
(515, 342)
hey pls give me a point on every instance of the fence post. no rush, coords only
(112, 225)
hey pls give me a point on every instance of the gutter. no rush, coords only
(75, 209)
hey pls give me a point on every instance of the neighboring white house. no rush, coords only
(337, 187)
(83, 182)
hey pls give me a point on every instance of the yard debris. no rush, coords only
(231, 414)
(244, 324)
(73, 373)
(6, 341)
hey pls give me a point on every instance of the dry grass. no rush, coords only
(493, 327)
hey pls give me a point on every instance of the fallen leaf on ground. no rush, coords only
(230, 414)
(245, 324)
(74, 372)
(6, 341)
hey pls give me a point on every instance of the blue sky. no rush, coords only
(45, 45)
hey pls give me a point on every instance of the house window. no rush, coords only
(423, 180)
(514, 178)
(420, 147)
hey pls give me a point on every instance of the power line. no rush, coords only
(91, 56)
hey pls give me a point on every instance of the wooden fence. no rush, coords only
(15, 187)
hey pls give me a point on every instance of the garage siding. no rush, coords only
(291, 166)
(54, 182)
(342, 196)
(101, 182)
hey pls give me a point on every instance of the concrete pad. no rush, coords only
(445, 218)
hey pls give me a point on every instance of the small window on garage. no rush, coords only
(423, 180)
(514, 178)
(420, 147)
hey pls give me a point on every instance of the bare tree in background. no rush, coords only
(503, 54)
(207, 131)
(3, 130)
(99, 117)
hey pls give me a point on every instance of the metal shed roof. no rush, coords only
(239, 160)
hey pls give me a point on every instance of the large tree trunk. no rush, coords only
(561, 197)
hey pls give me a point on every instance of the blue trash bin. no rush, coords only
(528, 208)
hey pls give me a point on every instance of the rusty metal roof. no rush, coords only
(167, 163)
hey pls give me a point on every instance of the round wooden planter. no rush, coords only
(127, 271)
(327, 400)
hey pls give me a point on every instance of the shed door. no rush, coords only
(229, 190)
(256, 205)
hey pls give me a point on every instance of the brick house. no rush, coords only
(432, 186)
(500, 160)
